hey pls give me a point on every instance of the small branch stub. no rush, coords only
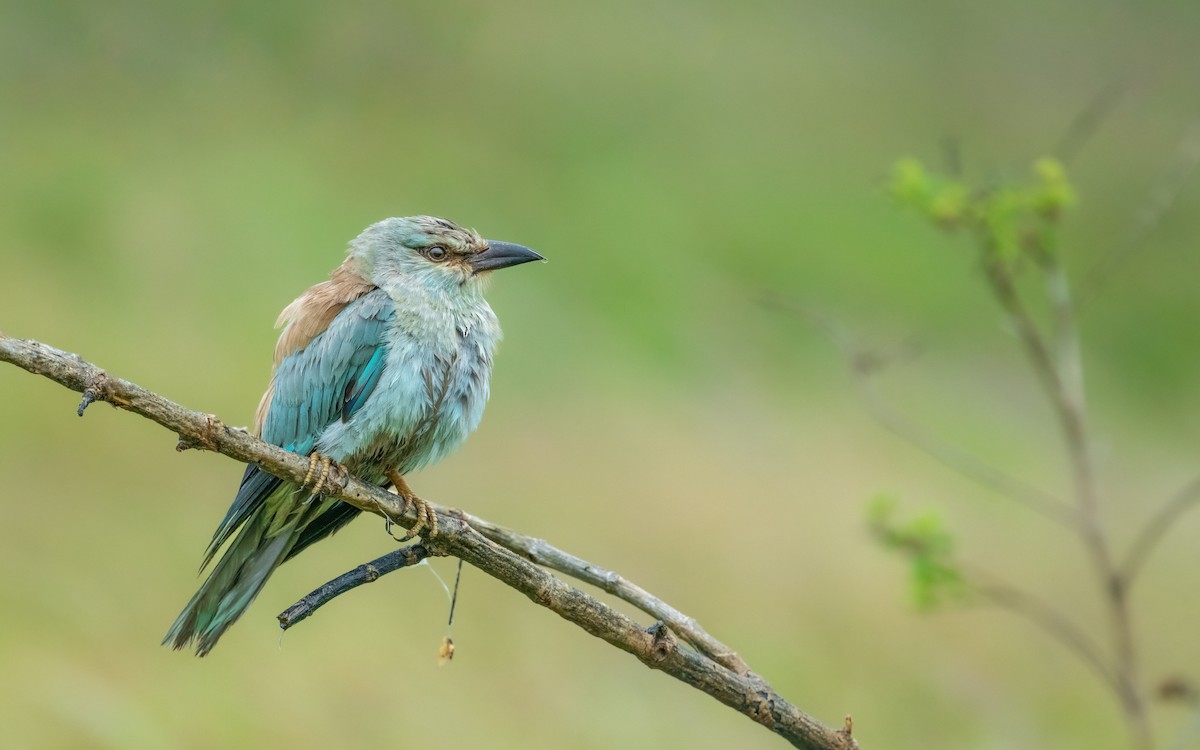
(206, 439)
(99, 389)
(88, 397)
(662, 643)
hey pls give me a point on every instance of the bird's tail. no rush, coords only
(262, 544)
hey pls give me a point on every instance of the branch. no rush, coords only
(366, 573)
(1159, 201)
(655, 647)
(1157, 528)
(1052, 622)
(1061, 374)
(953, 457)
(541, 552)
(1087, 121)
(862, 365)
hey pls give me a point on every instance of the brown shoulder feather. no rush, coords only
(309, 315)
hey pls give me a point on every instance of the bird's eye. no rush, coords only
(435, 252)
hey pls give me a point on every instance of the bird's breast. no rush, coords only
(429, 398)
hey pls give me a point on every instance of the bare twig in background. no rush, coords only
(1159, 200)
(1061, 374)
(1016, 231)
(864, 365)
(656, 646)
(1066, 393)
(1055, 358)
(964, 463)
(1087, 121)
(952, 159)
(1051, 621)
(1157, 527)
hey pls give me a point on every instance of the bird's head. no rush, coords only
(431, 254)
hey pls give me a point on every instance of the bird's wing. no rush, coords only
(330, 378)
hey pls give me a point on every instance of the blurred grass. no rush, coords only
(174, 173)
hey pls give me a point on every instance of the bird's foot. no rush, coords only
(426, 516)
(327, 469)
(426, 520)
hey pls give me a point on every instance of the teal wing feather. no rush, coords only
(329, 379)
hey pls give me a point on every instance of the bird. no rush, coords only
(380, 370)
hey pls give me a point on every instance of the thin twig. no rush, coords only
(952, 160)
(1157, 527)
(366, 573)
(1072, 407)
(1050, 621)
(966, 464)
(864, 365)
(1087, 121)
(1061, 375)
(655, 647)
(1159, 200)
(1023, 325)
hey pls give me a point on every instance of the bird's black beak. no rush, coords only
(501, 255)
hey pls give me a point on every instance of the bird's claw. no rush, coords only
(388, 523)
(426, 516)
(327, 468)
(426, 519)
(415, 531)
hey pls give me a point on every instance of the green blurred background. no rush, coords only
(174, 173)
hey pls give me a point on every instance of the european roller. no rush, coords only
(383, 369)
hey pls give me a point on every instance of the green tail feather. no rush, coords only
(263, 543)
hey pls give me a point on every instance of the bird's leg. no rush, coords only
(426, 518)
(408, 497)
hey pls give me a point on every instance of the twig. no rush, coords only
(655, 647)
(952, 160)
(1088, 121)
(863, 366)
(984, 474)
(1157, 527)
(543, 553)
(1061, 375)
(366, 573)
(1051, 621)
(1159, 200)
(1073, 413)
(1023, 325)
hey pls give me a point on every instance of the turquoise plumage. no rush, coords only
(384, 369)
